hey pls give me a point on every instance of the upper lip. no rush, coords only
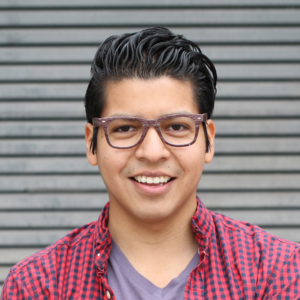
(152, 174)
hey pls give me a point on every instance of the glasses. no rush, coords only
(178, 130)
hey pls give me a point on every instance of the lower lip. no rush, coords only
(153, 190)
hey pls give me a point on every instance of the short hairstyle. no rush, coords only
(147, 54)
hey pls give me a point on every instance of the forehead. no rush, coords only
(150, 98)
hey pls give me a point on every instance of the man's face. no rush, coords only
(150, 99)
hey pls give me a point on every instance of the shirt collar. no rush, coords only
(202, 225)
(102, 240)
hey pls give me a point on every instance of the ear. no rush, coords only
(92, 157)
(211, 131)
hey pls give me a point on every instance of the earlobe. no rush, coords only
(92, 157)
(211, 131)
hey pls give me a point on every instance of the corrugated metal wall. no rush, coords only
(47, 186)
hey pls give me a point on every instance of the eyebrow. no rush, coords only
(164, 115)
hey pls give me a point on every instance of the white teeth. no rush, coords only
(155, 180)
(149, 179)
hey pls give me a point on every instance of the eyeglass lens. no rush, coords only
(127, 132)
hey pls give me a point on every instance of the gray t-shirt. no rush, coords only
(127, 283)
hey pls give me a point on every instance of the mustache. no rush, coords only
(167, 170)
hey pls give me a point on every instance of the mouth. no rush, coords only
(153, 181)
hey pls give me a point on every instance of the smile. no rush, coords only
(161, 180)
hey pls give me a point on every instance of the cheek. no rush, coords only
(192, 161)
(112, 162)
(195, 163)
(192, 155)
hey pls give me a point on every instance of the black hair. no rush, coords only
(147, 54)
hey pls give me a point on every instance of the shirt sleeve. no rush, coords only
(287, 283)
(15, 289)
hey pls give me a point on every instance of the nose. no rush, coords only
(152, 148)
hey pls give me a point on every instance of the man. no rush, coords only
(148, 106)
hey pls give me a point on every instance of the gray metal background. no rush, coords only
(47, 187)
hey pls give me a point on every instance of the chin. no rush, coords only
(153, 214)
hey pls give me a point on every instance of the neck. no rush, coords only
(125, 229)
(160, 243)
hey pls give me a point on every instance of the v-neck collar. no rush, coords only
(117, 256)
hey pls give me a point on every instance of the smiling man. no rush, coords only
(148, 106)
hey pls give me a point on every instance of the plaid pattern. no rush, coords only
(237, 261)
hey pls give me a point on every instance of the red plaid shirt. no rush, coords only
(237, 261)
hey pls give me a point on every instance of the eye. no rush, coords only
(176, 127)
(126, 128)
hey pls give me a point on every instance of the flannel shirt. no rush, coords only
(237, 261)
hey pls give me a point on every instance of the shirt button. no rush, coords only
(108, 294)
(98, 254)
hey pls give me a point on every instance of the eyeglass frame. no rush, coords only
(104, 122)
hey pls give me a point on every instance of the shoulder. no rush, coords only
(263, 251)
(248, 232)
(49, 262)
(64, 245)
(267, 263)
